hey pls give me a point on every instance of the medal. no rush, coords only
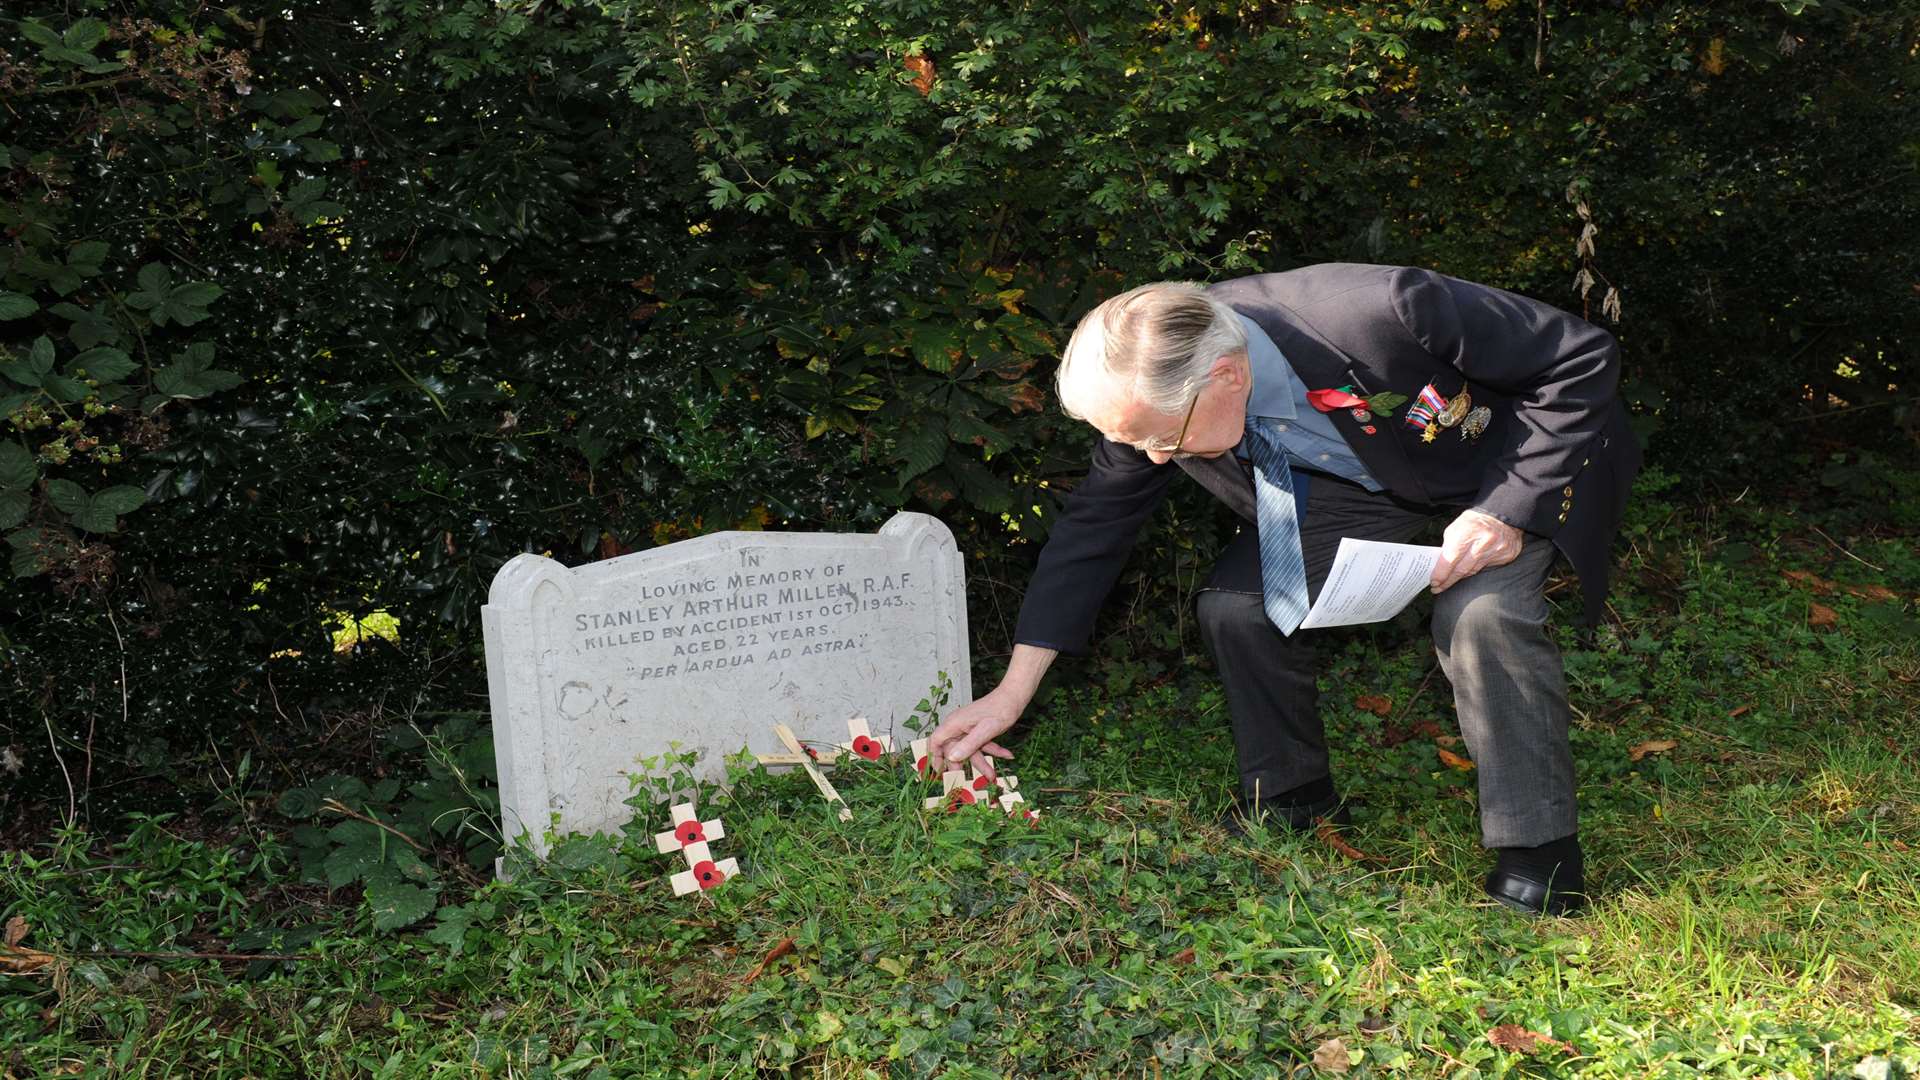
(1475, 423)
(1456, 409)
(1432, 430)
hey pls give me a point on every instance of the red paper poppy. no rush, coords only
(960, 797)
(689, 832)
(1329, 400)
(707, 874)
(866, 748)
(980, 783)
(921, 766)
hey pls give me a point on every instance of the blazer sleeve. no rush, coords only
(1088, 546)
(1559, 370)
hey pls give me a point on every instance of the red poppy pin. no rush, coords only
(689, 832)
(867, 747)
(707, 874)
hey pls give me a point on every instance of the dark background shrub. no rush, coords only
(388, 299)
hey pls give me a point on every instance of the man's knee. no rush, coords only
(1487, 624)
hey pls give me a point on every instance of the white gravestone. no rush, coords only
(709, 643)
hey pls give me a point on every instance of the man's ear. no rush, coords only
(1235, 368)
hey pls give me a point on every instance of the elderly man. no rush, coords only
(1349, 400)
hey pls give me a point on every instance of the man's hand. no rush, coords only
(1473, 542)
(968, 733)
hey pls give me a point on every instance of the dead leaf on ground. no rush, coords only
(1184, 956)
(1521, 1040)
(1651, 746)
(1452, 760)
(1331, 834)
(16, 932)
(1377, 704)
(782, 949)
(1820, 586)
(1332, 1056)
(1821, 615)
(19, 960)
(1448, 741)
(1738, 711)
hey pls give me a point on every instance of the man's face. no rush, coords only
(1219, 417)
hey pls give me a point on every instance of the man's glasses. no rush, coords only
(1184, 425)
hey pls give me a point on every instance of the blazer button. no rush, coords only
(1568, 505)
(1567, 491)
(1586, 463)
(1563, 517)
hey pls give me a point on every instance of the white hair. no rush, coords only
(1153, 344)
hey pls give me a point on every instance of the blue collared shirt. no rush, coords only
(1307, 433)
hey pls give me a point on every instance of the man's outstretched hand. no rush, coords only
(968, 734)
(1472, 543)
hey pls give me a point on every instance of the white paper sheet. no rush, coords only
(1371, 582)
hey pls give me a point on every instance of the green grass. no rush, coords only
(1757, 913)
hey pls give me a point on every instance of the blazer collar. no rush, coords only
(1322, 364)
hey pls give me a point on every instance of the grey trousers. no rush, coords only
(1490, 631)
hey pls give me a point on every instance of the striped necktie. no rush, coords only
(1283, 573)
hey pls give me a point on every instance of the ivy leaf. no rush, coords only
(17, 470)
(451, 929)
(103, 364)
(299, 803)
(15, 305)
(397, 904)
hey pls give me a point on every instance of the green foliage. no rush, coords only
(367, 301)
(1754, 913)
(402, 841)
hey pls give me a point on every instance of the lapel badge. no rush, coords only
(1361, 414)
(1371, 430)
(1475, 423)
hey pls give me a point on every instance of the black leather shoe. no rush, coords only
(1303, 818)
(1522, 893)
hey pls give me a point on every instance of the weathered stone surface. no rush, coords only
(708, 643)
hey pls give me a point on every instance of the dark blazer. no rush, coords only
(1557, 458)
